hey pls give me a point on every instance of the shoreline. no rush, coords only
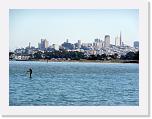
(85, 61)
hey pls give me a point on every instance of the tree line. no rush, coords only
(75, 55)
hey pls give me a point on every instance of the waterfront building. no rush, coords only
(22, 57)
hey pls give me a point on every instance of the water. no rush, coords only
(73, 84)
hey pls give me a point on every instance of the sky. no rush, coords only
(57, 25)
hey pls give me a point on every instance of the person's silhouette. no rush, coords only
(30, 71)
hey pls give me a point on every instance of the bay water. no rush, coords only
(73, 84)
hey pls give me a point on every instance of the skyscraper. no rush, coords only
(79, 44)
(98, 44)
(29, 45)
(44, 44)
(39, 45)
(118, 40)
(67, 40)
(107, 41)
(136, 44)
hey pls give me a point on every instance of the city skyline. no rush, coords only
(118, 42)
(58, 25)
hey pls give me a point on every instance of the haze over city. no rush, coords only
(58, 25)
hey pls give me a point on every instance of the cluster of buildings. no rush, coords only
(97, 47)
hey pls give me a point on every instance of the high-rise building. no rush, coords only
(118, 40)
(44, 44)
(29, 45)
(67, 40)
(107, 41)
(136, 44)
(98, 44)
(39, 45)
(79, 44)
(79, 41)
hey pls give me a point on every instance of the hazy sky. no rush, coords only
(58, 25)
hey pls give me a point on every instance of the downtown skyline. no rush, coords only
(58, 25)
(117, 39)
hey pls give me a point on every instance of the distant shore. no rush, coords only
(83, 60)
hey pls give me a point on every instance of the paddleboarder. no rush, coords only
(30, 71)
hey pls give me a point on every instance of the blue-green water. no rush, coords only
(73, 84)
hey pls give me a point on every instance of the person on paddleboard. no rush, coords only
(30, 71)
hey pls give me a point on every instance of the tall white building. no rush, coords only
(118, 40)
(107, 41)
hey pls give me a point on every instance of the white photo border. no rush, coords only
(141, 110)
